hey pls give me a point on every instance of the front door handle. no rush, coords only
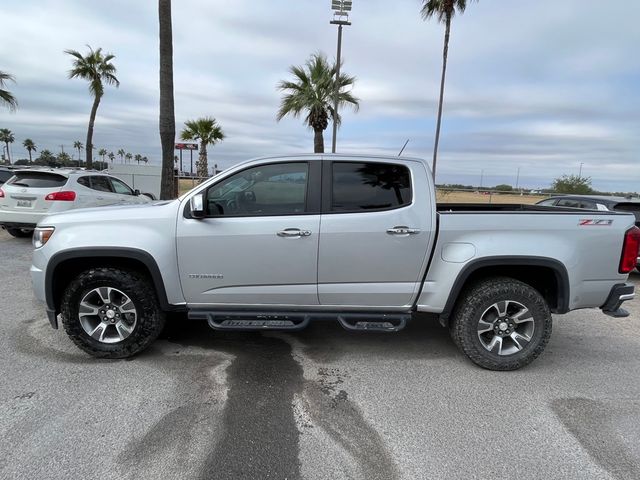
(402, 230)
(293, 233)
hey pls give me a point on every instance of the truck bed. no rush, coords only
(506, 207)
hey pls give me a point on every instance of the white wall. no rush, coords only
(145, 178)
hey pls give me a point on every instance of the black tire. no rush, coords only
(150, 196)
(478, 300)
(20, 232)
(150, 320)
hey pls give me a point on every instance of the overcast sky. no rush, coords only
(542, 86)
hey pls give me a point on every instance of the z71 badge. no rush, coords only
(592, 222)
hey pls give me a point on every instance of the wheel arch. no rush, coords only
(547, 275)
(65, 265)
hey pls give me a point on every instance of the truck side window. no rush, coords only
(273, 189)
(369, 186)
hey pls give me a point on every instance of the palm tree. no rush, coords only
(45, 158)
(121, 153)
(102, 152)
(207, 131)
(138, 158)
(7, 137)
(98, 70)
(444, 10)
(145, 160)
(128, 156)
(78, 146)
(111, 156)
(312, 92)
(29, 146)
(167, 121)
(6, 97)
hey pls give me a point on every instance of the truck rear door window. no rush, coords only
(38, 180)
(369, 186)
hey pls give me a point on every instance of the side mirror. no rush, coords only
(196, 204)
(136, 192)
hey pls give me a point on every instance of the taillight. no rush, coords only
(61, 196)
(1, 193)
(630, 248)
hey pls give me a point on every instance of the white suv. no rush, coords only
(32, 194)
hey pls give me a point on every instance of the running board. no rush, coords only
(366, 322)
(291, 321)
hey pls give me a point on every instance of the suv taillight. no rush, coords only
(63, 196)
(630, 248)
(1, 193)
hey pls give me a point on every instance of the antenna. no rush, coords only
(403, 147)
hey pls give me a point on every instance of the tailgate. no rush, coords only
(27, 190)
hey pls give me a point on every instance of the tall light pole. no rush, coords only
(517, 178)
(580, 171)
(341, 9)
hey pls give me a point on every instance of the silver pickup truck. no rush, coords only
(276, 243)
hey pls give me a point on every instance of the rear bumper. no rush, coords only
(17, 225)
(20, 219)
(619, 294)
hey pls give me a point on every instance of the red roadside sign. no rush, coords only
(186, 146)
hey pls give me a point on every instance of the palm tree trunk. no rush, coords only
(445, 54)
(8, 153)
(167, 115)
(92, 120)
(29, 155)
(202, 168)
(318, 141)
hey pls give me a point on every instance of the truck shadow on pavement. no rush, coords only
(271, 400)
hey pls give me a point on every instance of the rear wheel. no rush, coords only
(111, 313)
(20, 232)
(501, 324)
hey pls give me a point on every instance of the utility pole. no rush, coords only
(341, 10)
(580, 171)
(518, 178)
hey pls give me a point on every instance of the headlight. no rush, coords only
(41, 235)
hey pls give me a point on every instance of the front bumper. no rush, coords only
(38, 283)
(619, 294)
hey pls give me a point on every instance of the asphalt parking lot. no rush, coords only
(318, 404)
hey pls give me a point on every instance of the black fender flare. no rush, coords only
(558, 268)
(105, 252)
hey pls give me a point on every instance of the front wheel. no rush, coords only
(111, 313)
(501, 323)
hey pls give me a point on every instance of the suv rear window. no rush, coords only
(38, 180)
(369, 186)
(629, 207)
(5, 175)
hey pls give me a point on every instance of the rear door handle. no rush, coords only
(293, 233)
(402, 230)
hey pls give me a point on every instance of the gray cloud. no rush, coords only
(543, 86)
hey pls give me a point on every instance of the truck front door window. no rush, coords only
(275, 189)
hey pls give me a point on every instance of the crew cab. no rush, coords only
(276, 243)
